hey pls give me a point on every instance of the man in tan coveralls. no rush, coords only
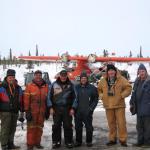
(113, 88)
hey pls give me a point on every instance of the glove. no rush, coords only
(132, 110)
(21, 117)
(29, 116)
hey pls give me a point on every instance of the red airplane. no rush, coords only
(82, 61)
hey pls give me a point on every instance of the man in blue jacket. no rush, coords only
(10, 104)
(86, 101)
(140, 105)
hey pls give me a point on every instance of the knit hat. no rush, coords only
(83, 74)
(63, 73)
(38, 72)
(11, 72)
(142, 67)
(111, 67)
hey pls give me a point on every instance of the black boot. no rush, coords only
(111, 143)
(29, 147)
(11, 145)
(39, 146)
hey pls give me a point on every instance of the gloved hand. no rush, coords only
(29, 116)
(21, 117)
(132, 109)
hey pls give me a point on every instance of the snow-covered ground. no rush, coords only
(99, 119)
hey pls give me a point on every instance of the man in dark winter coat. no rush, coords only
(10, 104)
(140, 105)
(86, 101)
(60, 100)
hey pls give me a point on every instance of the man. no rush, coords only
(113, 89)
(35, 97)
(60, 100)
(86, 101)
(10, 104)
(140, 105)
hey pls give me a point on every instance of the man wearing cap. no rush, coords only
(86, 101)
(60, 100)
(35, 97)
(140, 105)
(10, 104)
(113, 89)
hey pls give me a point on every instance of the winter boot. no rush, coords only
(39, 146)
(69, 145)
(11, 145)
(29, 147)
(111, 143)
(56, 145)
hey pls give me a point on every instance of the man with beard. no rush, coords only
(35, 97)
(60, 101)
(10, 104)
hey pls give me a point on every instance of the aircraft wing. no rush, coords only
(90, 58)
(122, 59)
(39, 58)
(52, 58)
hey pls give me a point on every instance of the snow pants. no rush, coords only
(143, 130)
(61, 116)
(86, 119)
(35, 130)
(117, 124)
(8, 127)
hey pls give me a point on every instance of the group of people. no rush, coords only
(63, 100)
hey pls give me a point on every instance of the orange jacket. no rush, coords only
(35, 98)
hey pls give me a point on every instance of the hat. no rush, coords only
(63, 73)
(142, 67)
(11, 72)
(38, 72)
(83, 74)
(111, 67)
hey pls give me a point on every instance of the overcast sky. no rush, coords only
(76, 26)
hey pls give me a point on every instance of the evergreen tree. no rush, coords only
(37, 51)
(29, 53)
(37, 54)
(105, 53)
(10, 55)
(141, 52)
(130, 54)
(30, 63)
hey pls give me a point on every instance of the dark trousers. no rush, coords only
(143, 130)
(86, 119)
(8, 127)
(62, 117)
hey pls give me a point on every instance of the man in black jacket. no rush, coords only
(86, 101)
(60, 100)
